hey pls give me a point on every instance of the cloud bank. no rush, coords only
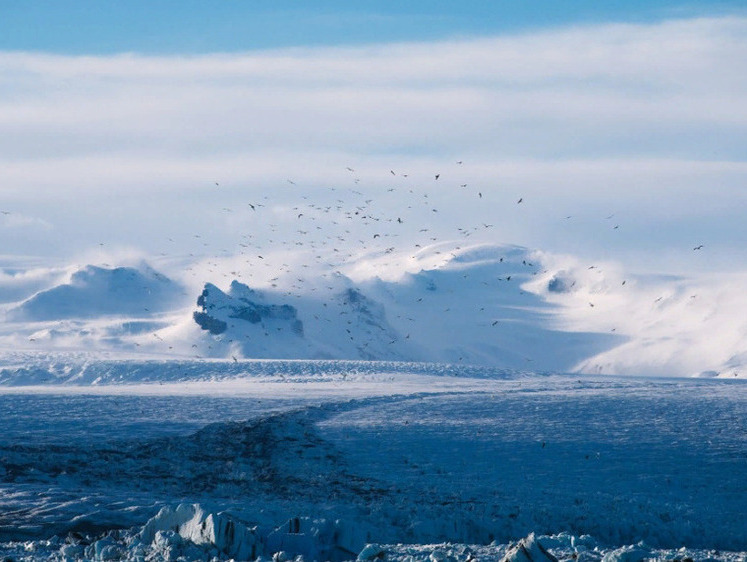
(646, 122)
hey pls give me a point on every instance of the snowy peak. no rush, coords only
(97, 291)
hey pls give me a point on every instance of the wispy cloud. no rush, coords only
(10, 220)
(17, 283)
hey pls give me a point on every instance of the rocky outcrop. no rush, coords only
(221, 310)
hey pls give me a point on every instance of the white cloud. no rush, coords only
(645, 121)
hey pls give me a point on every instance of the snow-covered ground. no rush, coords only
(322, 458)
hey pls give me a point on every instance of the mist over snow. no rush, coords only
(450, 302)
(96, 291)
(672, 324)
(21, 280)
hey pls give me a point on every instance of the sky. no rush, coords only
(145, 128)
(190, 26)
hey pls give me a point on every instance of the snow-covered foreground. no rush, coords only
(320, 459)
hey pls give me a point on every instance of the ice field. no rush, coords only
(319, 459)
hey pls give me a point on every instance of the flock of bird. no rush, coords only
(375, 222)
(333, 227)
(342, 224)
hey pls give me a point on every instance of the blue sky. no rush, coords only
(190, 26)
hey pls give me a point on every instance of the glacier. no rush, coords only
(319, 459)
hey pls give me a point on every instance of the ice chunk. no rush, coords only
(192, 523)
(372, 552)
(632, 553)
(107, 549)
(529, 549)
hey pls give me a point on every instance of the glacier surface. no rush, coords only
(335, 460)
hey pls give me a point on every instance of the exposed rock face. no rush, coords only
(207, 322)
(241, 303)
(346, 325)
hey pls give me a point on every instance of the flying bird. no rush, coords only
(698, 247)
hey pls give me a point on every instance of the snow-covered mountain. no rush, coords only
(489, 305)
(94, 292)
(470, 309)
